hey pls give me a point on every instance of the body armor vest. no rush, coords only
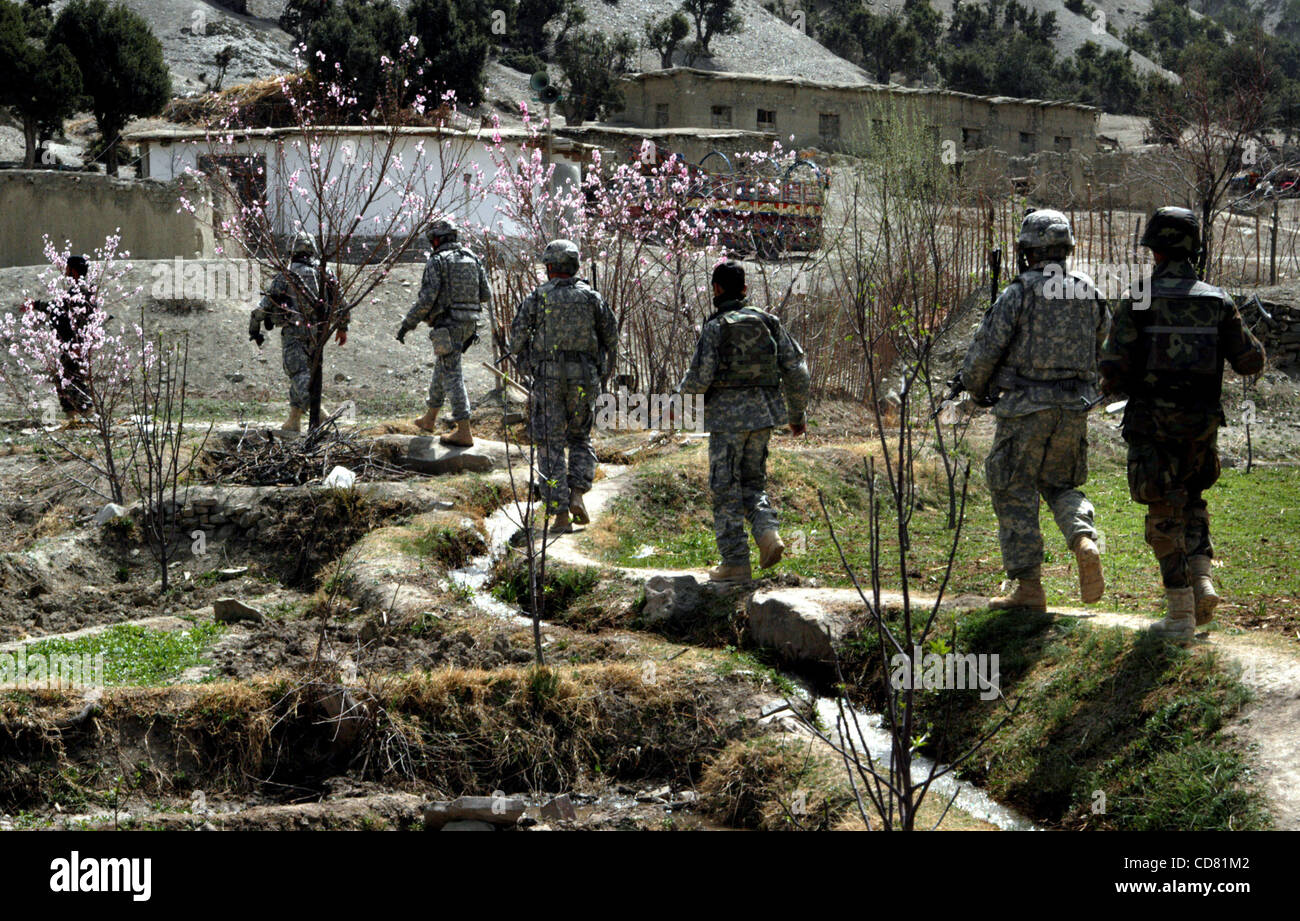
(747, 352)
(569, 319)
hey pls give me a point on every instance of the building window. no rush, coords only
(1028, 143)
(721, 117)
(1062, 143)
(828, 126)
(661, 115)
(767, 119)
(972, 138)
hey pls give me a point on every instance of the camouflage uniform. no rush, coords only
(1168, 359)
(452, 290)
(1041, 349)
(290, 304)
(565, 339)
(744, 361)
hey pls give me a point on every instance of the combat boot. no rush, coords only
(577, 508)
(461, 437)
(1179, 625)
(561, 524)
(428, 421)
(1092, 584)
(1028, 594)
(1207, 599)
(770, 548)
(294, 422)
(731, 572)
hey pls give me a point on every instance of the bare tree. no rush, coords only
(1211, 126)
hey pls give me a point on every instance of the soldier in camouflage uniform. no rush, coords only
(1039, 344)
(744, 362)
(564, 338)
(1168, 359)
(293, 303)
(452, 293)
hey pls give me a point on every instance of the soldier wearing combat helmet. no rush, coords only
(452, 293)
(564, 339)
(298, 301)
(1038, 347)
(1167, 358)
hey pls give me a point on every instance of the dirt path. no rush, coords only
(1269, 725)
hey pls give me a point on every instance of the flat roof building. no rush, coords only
(838, 116)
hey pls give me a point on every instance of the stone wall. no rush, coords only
(86, 207)
(1281, 338)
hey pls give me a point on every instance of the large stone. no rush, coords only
(425, 454)
(468, 825)
(671, 599)
(797, 625)
(495, 810)
(231, 610)
(560, 808)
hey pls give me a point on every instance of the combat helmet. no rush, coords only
(304, 244)
(1173, 231)
(1047, 233)
(442, 231)
(562, 255)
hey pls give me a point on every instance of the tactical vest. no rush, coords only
(747, 352)
(303, 292)
(1056, 340)
(1180, 341)
(569, 319)
(459, 291)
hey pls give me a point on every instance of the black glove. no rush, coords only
(255, 333)
(987, 400)
(401, 335)
(258, 338)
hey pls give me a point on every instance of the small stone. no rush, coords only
(340, 478)
(561, 807)
(109, 512)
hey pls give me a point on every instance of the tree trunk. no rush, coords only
(29, 137)
(317, 375)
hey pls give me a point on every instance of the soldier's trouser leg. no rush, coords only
(548, 428)
(753, 483)
(1012, 473)
(297, 365)
(448, 381)
(580, 406)
(1169, 477)
(1064, 470)
(726, 458)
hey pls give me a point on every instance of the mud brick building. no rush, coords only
(838, 116)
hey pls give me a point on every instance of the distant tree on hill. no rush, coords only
(664, 35)
(712, 18)
(40, 82)
(591, 64)
(121, 61)
(454, 36)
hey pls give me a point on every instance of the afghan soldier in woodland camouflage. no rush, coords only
(295, 303)
(452, 293)
(565, 339)
(744, 362)
(1039, 344)
(1168, 358)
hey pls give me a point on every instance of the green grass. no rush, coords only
(1255, 521)
(137, 655)
(1099, 711)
